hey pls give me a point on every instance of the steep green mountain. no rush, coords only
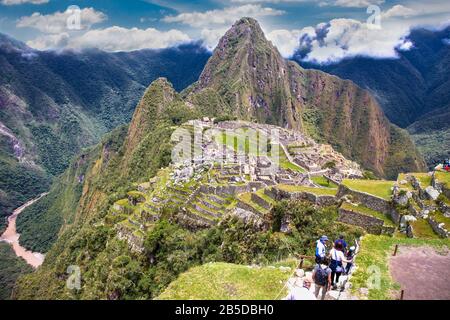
(248, 74)
(240, 81)
(11, 267)
(413, 89)
(53, 104)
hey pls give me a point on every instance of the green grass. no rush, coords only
(408, 186)
(11, 267)
(440, 218)
(315, 191)
(379, 188)
(375, 252)
(369, 212)
(323, 182)
(262, 195)
(422, 230)
(246, 198)
(424, 179)
(443, 177)
(224, 281)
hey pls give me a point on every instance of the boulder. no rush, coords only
(432, 193)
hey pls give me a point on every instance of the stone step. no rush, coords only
(260, 201)
(175, 190)
(194, 214)
(271, 193)
(149, 216)
(205, 210)
(249, 206)
(215, 199)
(210, 204)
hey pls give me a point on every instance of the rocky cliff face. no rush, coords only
(258, 84)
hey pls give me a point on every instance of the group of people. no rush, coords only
(329, 268)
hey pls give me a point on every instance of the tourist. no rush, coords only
(350, 255)
(343, 242)
(337, 259)
(322, 278)
(302, 293)
(321, 250)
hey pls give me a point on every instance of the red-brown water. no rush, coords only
(12, 237)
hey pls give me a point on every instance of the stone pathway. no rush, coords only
(422, 273)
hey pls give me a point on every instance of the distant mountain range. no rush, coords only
(413, 90)
(54, 104)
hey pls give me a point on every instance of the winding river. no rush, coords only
(12, 237)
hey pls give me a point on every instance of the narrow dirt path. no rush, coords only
(12, 237)
(422, 273)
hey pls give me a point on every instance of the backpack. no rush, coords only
(321, 276)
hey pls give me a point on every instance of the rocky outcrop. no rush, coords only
(439, 228)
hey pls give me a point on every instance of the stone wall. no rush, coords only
(306, 196)
(370, 224)
(370, 201)
(135, 242)
(230, 189)
(260, 201)
(242, 205)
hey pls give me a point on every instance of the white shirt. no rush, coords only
(321, 249)
(337, 255)
(300, 294)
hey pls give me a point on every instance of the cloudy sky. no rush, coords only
(325, 30)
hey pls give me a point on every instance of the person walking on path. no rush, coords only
(336, 265)
(322, 278)
(321, 249)
(343, 242)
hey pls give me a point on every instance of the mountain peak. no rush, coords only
(9, 43)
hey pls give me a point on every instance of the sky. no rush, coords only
(324, 31)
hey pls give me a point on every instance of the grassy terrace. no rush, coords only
(443, 177)
(422, 229)
(262, 195)
(315, 191)
(369, 212)
(323, 182)
(224, 281)
(379, 188)
(246, 198)
(375, 251)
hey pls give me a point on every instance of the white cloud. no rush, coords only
(57, 22)
(286, 41)
(222, 16)
(211, 37)
(342, 38)
(351, 3)
(400, 11)
(17, 2)
(112, 39)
